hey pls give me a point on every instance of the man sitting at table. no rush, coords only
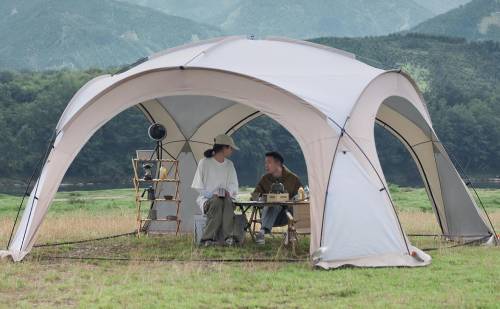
(275, 171)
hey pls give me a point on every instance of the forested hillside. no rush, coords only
(55, 34)
(476, 20)
(460, 82)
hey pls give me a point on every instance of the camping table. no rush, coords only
(256, 208)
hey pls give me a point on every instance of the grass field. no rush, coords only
(457, 277)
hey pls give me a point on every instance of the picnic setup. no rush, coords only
(196, 96)
(247, 215)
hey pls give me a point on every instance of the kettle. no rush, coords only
(277, 187)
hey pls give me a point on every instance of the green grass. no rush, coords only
(416, 199)
(407, 199)
(89, 201)
(458, 277)
(465, 277)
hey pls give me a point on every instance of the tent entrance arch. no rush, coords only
(76, 127)
(465, 222)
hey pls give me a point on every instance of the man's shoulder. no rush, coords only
(291, 174)
(266, 176)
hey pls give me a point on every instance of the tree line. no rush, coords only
(459, 81)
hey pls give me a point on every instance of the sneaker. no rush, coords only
(208, 243)
(230, 241)
(260, 238)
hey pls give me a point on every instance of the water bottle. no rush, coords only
(163, 173)
(301, 194)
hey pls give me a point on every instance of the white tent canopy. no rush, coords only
(328, 100)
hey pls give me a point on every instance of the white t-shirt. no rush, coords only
(212, 175)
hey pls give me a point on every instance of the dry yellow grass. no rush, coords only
(90, 214)
(78, 225)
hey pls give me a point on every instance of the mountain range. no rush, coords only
(476, 20)
(298, 18)
(441, 6)
(52, 34)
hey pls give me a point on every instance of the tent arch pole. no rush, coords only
(145, 111)
(241, 123)
(329, 178)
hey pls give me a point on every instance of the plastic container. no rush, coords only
(301, 193)
(163, 173)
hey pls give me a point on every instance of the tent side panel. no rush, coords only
(463, 215)
(360, 226)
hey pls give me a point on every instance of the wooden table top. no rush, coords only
(263, 203)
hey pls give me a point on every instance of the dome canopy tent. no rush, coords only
(324, 97)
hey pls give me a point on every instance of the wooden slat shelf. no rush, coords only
(159, 180)
(162, 219)
(173, 174)
(155, 160)
(159, 200)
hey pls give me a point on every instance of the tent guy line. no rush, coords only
(36, 173)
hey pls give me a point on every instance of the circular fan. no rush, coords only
(157, 132)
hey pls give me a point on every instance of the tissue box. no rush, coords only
(277, 197)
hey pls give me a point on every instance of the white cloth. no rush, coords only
(212, 175)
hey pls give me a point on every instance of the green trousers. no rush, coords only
(220, 214)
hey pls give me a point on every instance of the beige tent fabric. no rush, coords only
(175, 139)
(222, 122)
(324, 97)
(385, 260)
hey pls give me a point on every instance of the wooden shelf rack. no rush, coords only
(172, 167)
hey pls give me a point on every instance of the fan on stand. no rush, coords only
(157, 132)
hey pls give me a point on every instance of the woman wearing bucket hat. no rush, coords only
(217, 183)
